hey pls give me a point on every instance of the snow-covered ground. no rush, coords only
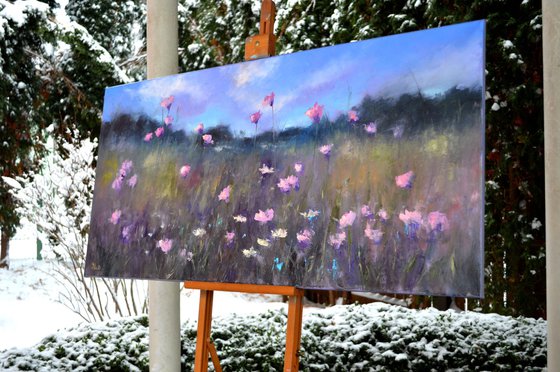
(29, 310)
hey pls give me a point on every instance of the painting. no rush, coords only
(353, 167)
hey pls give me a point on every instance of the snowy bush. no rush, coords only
(373, 337)
(58, 200)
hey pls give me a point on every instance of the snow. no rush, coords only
(17, 10)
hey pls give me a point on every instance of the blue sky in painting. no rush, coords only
(337, 77)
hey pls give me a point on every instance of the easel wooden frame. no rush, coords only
(204, 345)
(258, 46)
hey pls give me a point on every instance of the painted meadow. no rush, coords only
(310, 169)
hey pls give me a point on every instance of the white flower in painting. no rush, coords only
(199, 232)
(249, 252)
(279, 233)
(263, 242)
(266, 170)
(240, 218)
(310, 214)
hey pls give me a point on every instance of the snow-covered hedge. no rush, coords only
(371, 337)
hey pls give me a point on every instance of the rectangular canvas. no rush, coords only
(356, 167)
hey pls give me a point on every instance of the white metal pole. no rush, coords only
(551, 77)
(165, 328)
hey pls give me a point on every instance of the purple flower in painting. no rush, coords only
(159, 132)
(255, 117)
(398, 131)
(304, 238)
(412, 222)
(168, 120)
(352, 116)
(404, 181)
(283, 185)
(167, 102)
(336, 240)
(366, 211)
(224, 194)
(207, 138)
(438, 221)
(371, 128)
(165, 245)
(315, 113)
(264, 216)
(185, 170)
(230, 235)
(126, 231)
(269, 100)
(148, 137)
(347, 219)
(373, 235)
(383, 215)
(117, 183)
(326, 150)
(199, 128)
(298, 167)
(132, 181)
(115, 217)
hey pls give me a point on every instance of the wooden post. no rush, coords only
(165, 327)
(551, 78)
(263, 44)
(293, 332)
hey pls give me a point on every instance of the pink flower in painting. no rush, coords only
(438, 221)
(265, 169)
(293, 181)
(298, 167)
(165, 245)
(255, 117)
(405, 180)
(168, 120)
(264, 216)
(326, 150)
(412, 222)
(383, 215)
(352, 116)
(148, 137)
(207, 138)
(125, 233)
(269, 100)
(283, 185)
(167, 102)
(304, 238)
(230, 235)
(371, 128)
(366, 211)
(159, 132)
(126, 166)
(115, 217)
(336, 240)
(373, 235)
(117, 183)
(199, 128)
(224, 194)
(185, 170)
(347, 219)
(315, 113)
(132, 181)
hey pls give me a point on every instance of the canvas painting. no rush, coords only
(356, 167)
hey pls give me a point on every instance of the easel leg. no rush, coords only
(293, 332)
(203, 332)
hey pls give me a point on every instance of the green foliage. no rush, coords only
(372, 337)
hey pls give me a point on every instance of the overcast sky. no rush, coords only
(337, 77)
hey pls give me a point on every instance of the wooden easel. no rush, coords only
(258, 46)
